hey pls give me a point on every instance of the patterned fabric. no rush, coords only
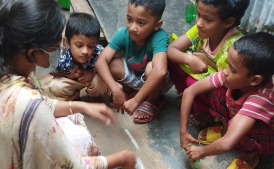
(138, 56)
(259, 140)
(137, 83)
(66, 63)
(218, 56)
(258, 103)
(217, 102)
(46, 145)
(130, 78)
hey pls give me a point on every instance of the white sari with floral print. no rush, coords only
(30, 137)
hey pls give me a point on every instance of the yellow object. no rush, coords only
(213, 133)
(172, 38)
(239, 164)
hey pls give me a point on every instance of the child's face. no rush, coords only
(236, 75)
(140, 24)
(208, 22)
(82, 47)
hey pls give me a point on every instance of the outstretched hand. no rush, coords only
(130, 159)
(100, 112)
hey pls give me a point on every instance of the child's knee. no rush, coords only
(97, 87)
(148, 69)
(116, 68)
(55, 87)
(60, 89)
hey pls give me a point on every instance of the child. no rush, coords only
(75, 69)
(145, 67)
(248, 123)
(203, 49)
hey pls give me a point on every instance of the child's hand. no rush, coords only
(131, 105)
(130, 159)
(201, 55)
(100, 112)
(75, 73)
(186, 139)
(205, 59)
(194, 153)
(197, 65)
(119, 99)
(87, 76)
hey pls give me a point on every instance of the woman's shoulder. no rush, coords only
(29, 93)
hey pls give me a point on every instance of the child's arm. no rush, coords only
(206, 59)
(200, 87)
(97, 111)
(87, 76)
(156, 76)
(102, 68)
(125, 159)
(239, 127)
(74, 74)
(176, 53)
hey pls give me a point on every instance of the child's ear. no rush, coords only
(158, 25)
(257, 79)
(66, 42)
(230, 22)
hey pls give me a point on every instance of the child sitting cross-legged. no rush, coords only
(144, 70)
(76, 69)
(247, 112)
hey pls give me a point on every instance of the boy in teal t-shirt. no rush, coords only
(144, 70)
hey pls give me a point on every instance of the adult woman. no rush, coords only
(30, 34)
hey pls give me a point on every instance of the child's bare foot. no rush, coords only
(147, 111)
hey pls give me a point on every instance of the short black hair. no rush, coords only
(27, 24)
(84, 24)
(257, 53)
(156, 7)
(229, 8)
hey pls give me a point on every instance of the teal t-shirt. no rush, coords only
(138, 57)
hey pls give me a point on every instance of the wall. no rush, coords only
(259, 17)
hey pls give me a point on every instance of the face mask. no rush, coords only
(53, 60)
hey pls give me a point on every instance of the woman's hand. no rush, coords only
(129, 159)
(186, 139)
(100, 112)
(194, 153)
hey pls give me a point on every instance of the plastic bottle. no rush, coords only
(190, 12)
